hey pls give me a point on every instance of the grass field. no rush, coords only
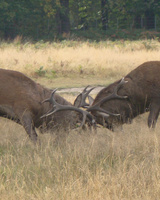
(70, 63)
(79, 165)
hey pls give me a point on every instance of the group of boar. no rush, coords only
(34, 106)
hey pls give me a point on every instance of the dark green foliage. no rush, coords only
(40, 71)
(58, 19)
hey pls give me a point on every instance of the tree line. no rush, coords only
(40, 19)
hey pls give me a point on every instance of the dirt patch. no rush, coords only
(78, 90)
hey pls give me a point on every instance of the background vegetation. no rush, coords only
(96, 19)
(76, 63)
(79, 165)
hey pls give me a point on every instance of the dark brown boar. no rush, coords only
(21, 101)
(123, 100)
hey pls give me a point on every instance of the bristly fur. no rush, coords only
(143, 92)
(21, 101)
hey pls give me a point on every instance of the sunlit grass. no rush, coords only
(79, 165)
(105, 165)
(78, 61)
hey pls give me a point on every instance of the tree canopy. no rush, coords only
(49, 19)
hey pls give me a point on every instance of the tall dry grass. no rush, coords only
(73, 59)
(105, 165)
(80, 165)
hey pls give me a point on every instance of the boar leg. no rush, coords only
(153, 115)
(26, 121)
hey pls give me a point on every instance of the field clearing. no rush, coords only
(80, 165)
(76, 64)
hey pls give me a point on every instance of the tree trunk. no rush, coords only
(104, 14)
(149, 19)
(137, 22)
(64, 16)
